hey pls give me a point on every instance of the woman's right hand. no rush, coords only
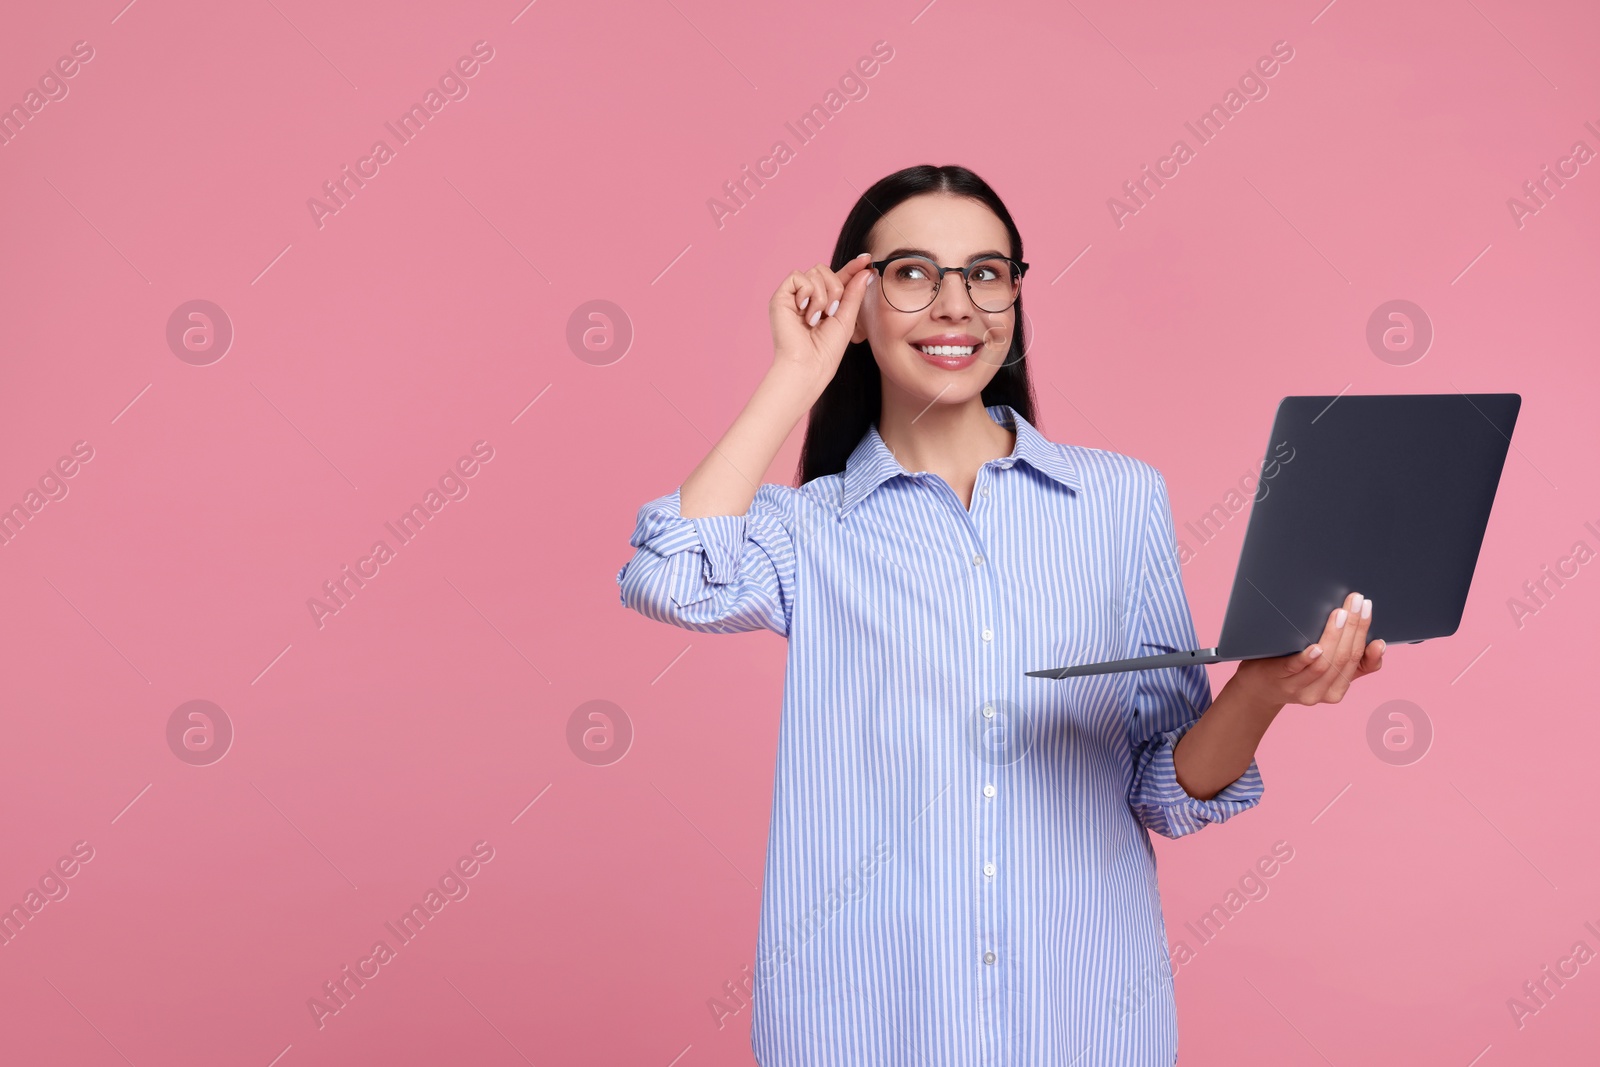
(804, 335)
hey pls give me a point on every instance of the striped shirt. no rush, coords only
(959, 869)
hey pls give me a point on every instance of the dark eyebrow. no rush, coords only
(925, 254)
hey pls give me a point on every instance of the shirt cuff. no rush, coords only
(663, 530)
(1164, 806)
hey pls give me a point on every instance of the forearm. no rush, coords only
(726, 480)
(1219, 748)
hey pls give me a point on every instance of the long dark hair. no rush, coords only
(853, 400)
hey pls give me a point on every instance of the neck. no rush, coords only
(946, 439)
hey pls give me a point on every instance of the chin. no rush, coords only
(948, 387)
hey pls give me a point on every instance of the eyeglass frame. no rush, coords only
(966, 280)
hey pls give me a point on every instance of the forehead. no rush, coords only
(953, 227)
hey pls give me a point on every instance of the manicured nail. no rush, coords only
(804, 302)
(1366, 609)
(1357, 605)
(815, 315)
(1339, 618)
(833, 307)
(872, 276)
(1316, 650)
(1383, 646)
(863, 255)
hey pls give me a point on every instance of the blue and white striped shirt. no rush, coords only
(959, 870)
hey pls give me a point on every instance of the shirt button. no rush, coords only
(988, 634)
(988, 711)
(984, 490)
(977, 559)
(988, 790)
(989, 957)
(988, 869)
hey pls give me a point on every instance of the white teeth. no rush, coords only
(948, 350)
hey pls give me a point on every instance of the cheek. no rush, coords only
(885, 326)
(998, 331)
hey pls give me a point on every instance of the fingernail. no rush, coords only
(1316, 650)
(1382, 646)
(1339, 617)
(864, 255)
(872, 276)
(815, 315)
(1358, 602)
(804, 302)
(1366, 609)
(833, 307)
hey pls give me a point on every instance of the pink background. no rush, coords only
(432, 310)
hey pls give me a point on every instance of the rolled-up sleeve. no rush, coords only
(1169, 701)
(714, 574)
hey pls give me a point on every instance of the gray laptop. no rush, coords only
(1387, 496)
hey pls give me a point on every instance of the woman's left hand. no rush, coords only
(1319, 673)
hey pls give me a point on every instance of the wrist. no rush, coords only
(1249, 700)
(795, 382)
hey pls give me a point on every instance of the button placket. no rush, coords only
(989, 919)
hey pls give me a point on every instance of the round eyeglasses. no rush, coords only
(910, 283)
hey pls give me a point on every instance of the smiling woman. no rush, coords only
(936, 545)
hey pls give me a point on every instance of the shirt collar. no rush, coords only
(871, 463)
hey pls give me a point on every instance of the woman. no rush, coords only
(959, 869)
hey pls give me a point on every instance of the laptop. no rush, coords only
(1387, 496)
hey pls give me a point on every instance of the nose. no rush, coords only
(952, 301)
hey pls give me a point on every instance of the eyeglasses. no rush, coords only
(910, 283)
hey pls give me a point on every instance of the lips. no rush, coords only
(950, 351)
(950, 362)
